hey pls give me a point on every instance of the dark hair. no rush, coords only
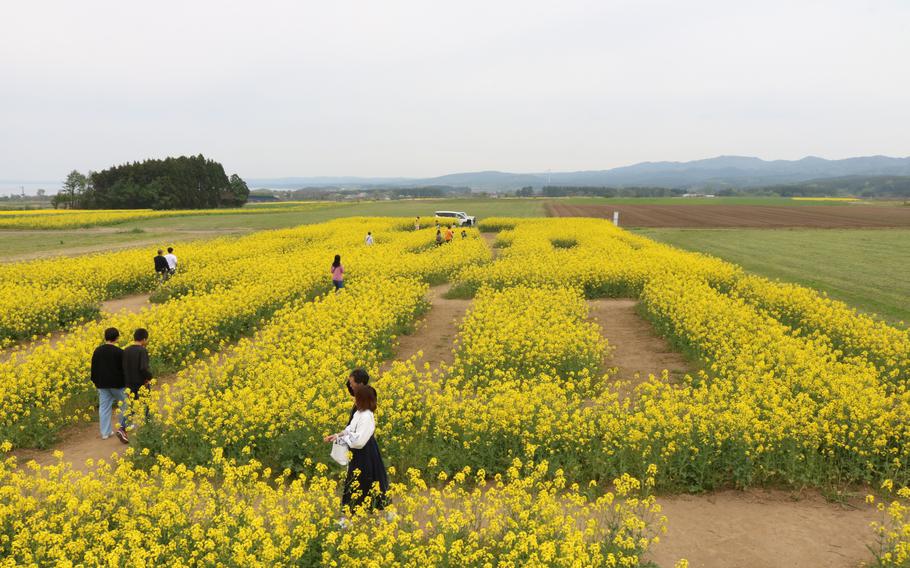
(170, 249)
(365, 398)
(360, 376)
(337, 262)
(140, 334)
(111, 334)
(160, 251)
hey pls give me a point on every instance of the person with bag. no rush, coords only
(367, 480)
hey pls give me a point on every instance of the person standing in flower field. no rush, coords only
(367, 477)
(369, 239)
(464, 234)
(438, 237)
(449, 234)
(417, 223)
(137, 373)
(161, 267)
(171, 261)
(358, 376)
(107, 376)
(337, 273)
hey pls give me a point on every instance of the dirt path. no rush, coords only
(727, 529)
(491, 239)
(637, 350)
(764, 529)
(435, 333)
(83, 442)
(130, 304)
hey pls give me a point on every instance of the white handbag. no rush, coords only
(340, 453)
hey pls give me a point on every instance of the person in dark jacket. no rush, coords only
(107, 376)
(136, 371)
(161, 266)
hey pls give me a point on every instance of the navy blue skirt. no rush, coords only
(364, 470)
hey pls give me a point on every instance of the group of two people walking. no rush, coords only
(165, 264)
(115, 371)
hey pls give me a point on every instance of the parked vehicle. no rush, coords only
(459, 218)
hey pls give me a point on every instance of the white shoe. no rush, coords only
(343, 523)
(106, 436)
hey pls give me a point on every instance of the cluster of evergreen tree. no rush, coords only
(187, 182)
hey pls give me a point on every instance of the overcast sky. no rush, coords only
(422, 88)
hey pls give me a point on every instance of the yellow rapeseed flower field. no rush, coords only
(524, 451)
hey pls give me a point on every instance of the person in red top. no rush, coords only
(337, 273)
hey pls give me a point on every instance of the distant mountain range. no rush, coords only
(711, 173)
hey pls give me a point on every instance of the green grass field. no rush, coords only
(868, 269)
(15, 244)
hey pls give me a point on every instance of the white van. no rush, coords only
(459, 218)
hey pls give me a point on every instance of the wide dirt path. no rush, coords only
(729, 529)
(131, 304)
(82, 442)
(434, 334)
(765, 529)
(636, 351)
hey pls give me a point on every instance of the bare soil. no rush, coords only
(435, 333)
(764, 529)
(491, 239)
(636, 350)
(759, 216)
(130, 304)
(749, 529)
(82, 442)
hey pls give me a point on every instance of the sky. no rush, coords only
(425, 88)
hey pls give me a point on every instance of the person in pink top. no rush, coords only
(337, 273)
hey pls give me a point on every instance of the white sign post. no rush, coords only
(616, 218)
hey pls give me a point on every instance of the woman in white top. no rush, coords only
(367, 476)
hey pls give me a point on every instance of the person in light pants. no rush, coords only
(107, 376)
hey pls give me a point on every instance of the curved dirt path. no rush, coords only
(127, 304)
(726, 529)
(82, 442)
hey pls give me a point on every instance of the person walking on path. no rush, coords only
(417, 223)
(161, 266)
(107, 376)
(449, 234)
(367, 481)
(137, 374)
(337, 273)
(438, 237)
(171, 261)
(369, 239)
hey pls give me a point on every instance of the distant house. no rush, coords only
(253, 198)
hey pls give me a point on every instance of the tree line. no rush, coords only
(186, 182)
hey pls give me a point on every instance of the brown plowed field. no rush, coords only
(758, 216)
